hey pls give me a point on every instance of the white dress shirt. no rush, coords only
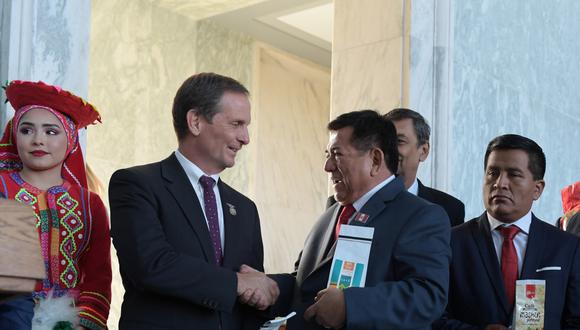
(414, 188)
(520, 240)
(193, 174)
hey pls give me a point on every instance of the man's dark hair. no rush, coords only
(536, 157)
(420, 126)
(201, 92)
(370, 130)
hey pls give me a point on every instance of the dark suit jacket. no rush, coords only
(454, 207)
(574, 225)
(165, 255)
(407, 278)
(476, 292)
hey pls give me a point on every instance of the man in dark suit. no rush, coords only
(413, 140)
(407, 277)
(507, 242)
(180, 232)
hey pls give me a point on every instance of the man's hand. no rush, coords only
(256, 289)
(329, 310)
(496, 327)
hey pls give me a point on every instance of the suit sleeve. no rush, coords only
(460, 214)
(95, 289)
(571, 315)
(421, 261)
(148, 260)
(447, 323)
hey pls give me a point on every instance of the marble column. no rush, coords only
(486, 68)
(45, 40)
(370, 55)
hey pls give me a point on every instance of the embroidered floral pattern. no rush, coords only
(70, 224)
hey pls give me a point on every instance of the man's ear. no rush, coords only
(193, 122)
(424, 151)
(539, 188)
(378, 161)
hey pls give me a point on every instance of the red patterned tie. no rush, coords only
(345, 214)
(509, 261)
(211, 214)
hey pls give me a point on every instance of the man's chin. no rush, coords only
(340, 199)
(501, 214)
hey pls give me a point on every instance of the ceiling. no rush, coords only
(200, 9)
(301, 27)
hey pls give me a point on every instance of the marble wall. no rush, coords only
(369, 61)
(516, 70)
(139, 56)
(291, 102)
(486, 68)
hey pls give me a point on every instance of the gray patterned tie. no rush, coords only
(212, 216)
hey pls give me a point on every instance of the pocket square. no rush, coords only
(543, 269)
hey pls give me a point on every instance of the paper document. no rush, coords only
(351, 257)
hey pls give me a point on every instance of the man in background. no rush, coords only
(413, 141)
(508, 242)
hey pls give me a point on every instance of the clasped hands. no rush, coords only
(256, 289)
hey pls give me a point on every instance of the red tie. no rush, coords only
(509, 261)
(345, 214)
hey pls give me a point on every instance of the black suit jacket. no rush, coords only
(454, 207)
(165, 254)
(408, 270)
(476, 291)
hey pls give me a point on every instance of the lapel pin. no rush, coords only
(361, 217)
(232, 209)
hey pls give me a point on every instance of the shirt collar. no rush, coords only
(523, 223)
(414, 188)
(359, 203)
(192, 170)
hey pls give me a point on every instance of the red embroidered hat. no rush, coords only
(22, 93)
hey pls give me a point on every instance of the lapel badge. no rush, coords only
(232, 209)
(361, 217)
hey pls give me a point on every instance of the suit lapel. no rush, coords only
(177, 183)
(379, 201)
(372, 208)
(422, 191)
(482, 237)
(326, 255)
(534, 248)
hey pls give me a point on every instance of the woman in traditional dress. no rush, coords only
(41, 165)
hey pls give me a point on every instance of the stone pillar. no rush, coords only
(45, 40)
(370, 55)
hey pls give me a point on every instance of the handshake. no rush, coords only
(256, 289)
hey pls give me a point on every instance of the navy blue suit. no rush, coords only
(408, 270)
(476, 291)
